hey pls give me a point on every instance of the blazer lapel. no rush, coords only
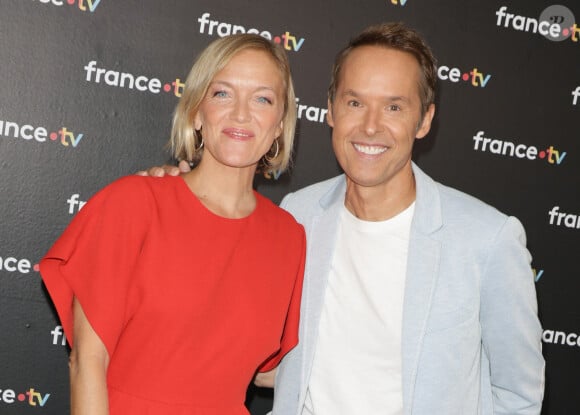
(321, 238)
(421, 279)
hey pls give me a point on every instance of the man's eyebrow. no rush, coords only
(387, 98)
(350, 92)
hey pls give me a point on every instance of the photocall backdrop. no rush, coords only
(88, 87)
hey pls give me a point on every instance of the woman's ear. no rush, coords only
(279, 129)
(197, 122)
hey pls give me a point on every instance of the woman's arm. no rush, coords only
(89, 360)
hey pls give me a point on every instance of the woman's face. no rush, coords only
(241, 114)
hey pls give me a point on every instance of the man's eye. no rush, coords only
(394, 107)
(353, 103)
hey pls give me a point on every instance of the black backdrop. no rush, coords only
(71, 122)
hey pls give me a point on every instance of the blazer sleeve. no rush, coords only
(511, 331)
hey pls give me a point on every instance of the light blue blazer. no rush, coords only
(471, 340)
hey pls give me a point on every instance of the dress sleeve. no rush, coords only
(291, 325)
(95, 257)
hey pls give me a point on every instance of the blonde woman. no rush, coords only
(175, 291)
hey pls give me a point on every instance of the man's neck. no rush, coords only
(378, 203)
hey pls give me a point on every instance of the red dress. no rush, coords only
(188, 304)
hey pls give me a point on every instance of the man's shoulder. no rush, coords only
(461, 203)
(318, 189)
(453, 201)
(311, 197)
(474, 219)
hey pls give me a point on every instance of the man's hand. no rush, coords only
(156, 171)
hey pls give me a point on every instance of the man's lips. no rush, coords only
(370, 150)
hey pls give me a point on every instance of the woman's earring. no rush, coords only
(198, 135)
(269, 159)
(200, 146)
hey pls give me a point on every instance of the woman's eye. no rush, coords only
(220, 94)
(264, 100)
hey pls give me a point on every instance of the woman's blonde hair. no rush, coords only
(186, 142)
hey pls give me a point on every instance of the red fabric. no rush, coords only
(187, 303)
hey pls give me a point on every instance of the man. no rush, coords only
(418, 299)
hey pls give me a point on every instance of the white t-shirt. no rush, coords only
(357, 362)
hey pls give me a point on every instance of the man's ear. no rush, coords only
(426, 123)
(329, 118)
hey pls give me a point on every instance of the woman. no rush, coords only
(174, 291)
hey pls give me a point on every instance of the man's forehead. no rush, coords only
(364, 52)
(373, 60)
(368, 72)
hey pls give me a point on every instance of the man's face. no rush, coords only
(376, 116)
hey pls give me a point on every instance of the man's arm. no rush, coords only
(511, 331)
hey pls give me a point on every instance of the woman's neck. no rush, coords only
(225, 191)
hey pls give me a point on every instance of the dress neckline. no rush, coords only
(210, 213)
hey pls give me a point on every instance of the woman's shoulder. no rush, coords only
(130, 195)
(276, 214)
(140, 187)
